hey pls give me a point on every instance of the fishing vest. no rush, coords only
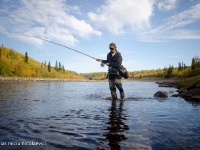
(118, 71)
(113, 71)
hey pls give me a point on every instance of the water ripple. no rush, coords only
(83, 116)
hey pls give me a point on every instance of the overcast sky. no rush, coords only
(150, 34)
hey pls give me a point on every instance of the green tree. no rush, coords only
(26, 58)
(56, 66)
(49, 67)
(193, 64)
(184, 67)
(169, 71)
(179, 66)
(60, 66)
(63, 68)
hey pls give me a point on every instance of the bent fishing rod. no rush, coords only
(59, 45)
(102, 64)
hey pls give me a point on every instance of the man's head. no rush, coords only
(113, 47)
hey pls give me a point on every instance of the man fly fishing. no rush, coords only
(114, 62)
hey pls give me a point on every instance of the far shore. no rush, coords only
(22, 79)
(153, 79)
(143, 79)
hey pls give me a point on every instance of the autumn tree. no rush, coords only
(1, 52)
(10, 65)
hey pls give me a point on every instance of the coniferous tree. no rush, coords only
(179, 66)
(185, 66)
(56, 66)
(49, 67)
(63, 68)
(26, 58)
(182, 65)
(170, 70)
(60, 67)
(193, 64)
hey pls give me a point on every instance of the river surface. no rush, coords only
(81, 115)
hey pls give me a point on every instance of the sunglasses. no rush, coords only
(111, 48)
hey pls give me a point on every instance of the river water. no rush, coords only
(80, 115)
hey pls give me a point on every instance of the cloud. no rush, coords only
(133, 18)
(75, 9)
(121, 16)
(44, 18)
(174, 27)
(167, 5)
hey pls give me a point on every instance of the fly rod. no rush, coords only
(60, 45)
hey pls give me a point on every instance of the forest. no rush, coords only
(15, 64)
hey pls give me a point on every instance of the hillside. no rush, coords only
(15, 64)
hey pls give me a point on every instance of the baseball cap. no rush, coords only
(112, 45)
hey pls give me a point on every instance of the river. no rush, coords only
(80, 115)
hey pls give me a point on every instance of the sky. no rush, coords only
(150, 34)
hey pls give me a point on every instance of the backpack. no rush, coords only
(123, 71)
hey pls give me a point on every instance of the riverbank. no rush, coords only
(143, 79)
(188, 88)
(18, 79)
(154, 79)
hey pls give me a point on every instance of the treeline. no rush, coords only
(180, 71)
(15, 64)
(95, 75)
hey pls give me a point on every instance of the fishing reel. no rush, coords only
(102, 64)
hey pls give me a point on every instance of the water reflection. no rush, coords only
(116, 125)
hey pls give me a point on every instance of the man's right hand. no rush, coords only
(99, 60)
